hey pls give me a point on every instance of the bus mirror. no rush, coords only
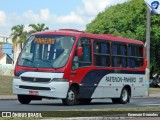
(79, 51)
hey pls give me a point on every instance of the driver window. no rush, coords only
(85, 59)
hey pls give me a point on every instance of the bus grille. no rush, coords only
(32, 79)
(34, 88)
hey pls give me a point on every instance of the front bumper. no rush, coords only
(54, 89)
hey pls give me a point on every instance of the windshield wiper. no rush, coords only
(29, 61)
(48, 62)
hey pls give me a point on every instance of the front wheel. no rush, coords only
(24, 99)
(71, 98)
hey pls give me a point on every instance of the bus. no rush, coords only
(77, 66)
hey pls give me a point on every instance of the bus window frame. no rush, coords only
(136, 57)
(107, 42)
(78, 45)
(121, 56)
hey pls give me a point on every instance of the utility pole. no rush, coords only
(148, 29)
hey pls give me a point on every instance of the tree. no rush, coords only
(129, 20)
(38, 28)
(18, 34)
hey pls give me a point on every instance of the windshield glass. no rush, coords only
(46, 51)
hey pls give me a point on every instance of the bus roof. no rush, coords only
(73, 32)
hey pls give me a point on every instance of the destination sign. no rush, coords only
(44, 40)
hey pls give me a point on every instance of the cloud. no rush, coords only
(2, 18)
(86, 13)
(93, 7)
(72, 18)
(30, 16)
(45, 14)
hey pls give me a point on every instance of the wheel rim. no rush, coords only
(71, 95)
(124, 95)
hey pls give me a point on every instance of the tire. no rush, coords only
(71, 98)
(85, 101)
(124, 98)
(24, 99)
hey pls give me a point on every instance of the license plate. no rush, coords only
(33, 93)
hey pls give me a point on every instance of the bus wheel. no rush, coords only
(125, 97)
(24, 99)
(71, 98)
(85, 101)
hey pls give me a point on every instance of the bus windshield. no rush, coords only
(46, 51)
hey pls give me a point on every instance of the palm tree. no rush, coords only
(18, 35)
(38, 28)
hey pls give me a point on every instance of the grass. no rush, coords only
(6, 85)
(101, 112)
(154, 90)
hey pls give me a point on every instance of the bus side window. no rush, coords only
(114, 58)
(123, 53)
(139, 56)
(101, 53)
(135, 54)
(86, 53)
(131, 54)
(119, 55)
(85, 59)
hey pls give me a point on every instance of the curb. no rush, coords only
(150, 96)
(8, 97)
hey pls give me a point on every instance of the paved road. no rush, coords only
(54, 105)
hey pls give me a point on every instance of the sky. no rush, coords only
(56, 14)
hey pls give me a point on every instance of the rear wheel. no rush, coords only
(71, 98)
(24, 99)
(124, 98)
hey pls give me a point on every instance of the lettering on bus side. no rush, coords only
(123, 79)
(141, 80)
(114, 79)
